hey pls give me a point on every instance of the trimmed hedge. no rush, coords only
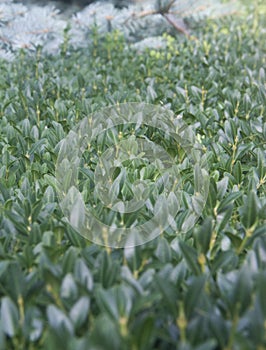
(203, 290)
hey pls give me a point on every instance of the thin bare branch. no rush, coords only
(141, 15)
(176, 24)
(166, 9)
(197, 9)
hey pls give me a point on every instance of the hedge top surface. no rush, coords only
(201, 290)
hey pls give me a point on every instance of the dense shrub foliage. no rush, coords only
(203, 290)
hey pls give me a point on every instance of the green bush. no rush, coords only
(202, 290)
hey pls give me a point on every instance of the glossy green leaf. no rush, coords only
(190, 256)
(203, 235)
(80, 311)
(250, 210)
(9, 316)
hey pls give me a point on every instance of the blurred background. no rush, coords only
(64, 4)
